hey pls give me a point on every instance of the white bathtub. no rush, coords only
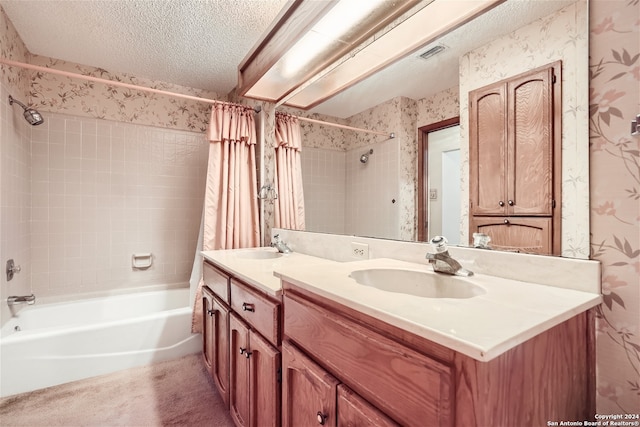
(45, 345)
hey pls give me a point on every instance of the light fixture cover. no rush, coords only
(306, 37)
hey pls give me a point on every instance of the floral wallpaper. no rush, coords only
(12, 47)
(439, 107)
(614, 73)
(560, 36)
(59, 94)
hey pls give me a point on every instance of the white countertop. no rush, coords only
(259, 272)
(482, 327)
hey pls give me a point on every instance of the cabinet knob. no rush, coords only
(511, 202)
(248, 307)
(322, 418)
(210, 312)
(247, 354)
(242, 350)
(501, 203)
(506, 221)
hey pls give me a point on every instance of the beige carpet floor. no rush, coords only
(174, 393)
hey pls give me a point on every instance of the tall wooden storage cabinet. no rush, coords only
(515, 161)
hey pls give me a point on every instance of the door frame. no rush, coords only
(423, 178)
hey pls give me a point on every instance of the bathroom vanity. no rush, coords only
(310, 342)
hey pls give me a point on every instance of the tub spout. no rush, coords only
(29, 299)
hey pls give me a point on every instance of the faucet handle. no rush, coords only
(439, 243)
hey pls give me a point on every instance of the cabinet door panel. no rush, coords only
(530, 145)
(265, 388)
(354, 411)
(208, 335)
(220, 365)
(239, 391)
(530, 235)
(308, 392)
(488, 150)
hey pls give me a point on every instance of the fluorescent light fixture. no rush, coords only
(315, 49)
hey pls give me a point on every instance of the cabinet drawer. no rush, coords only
(257, 310)
(406, 385)
(217, 281)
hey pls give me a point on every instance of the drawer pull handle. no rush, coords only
(248, 307)
(506, 221)
(321, 418)
(242, 350)
(247, 354)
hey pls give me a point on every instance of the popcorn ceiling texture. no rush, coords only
(151, 39)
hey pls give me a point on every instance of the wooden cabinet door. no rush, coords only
(207, 328)
(530, 235)
(488, 150)
(354, 411)
(308, 391)
(239, 404)
(220, 353)
(530, 144)
(264, 379)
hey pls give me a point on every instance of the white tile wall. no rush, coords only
(373, 191)
(345, 196)
(323, 179)
(102, 191)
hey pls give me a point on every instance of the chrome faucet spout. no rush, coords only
(21, 299)
(442, 261)
(280, 245)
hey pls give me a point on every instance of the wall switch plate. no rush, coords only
(359, 250)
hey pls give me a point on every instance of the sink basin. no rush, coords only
(259, 254)
(417, 283)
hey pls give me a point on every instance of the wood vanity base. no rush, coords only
(414, 381)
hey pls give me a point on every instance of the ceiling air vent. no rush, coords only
(429, 53)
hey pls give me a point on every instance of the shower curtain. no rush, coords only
(231, 217)
(289, 207)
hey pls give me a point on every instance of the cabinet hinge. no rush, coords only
(553, 79)
(279, 375)
(553, 204)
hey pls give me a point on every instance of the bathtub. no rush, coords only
(50, 344)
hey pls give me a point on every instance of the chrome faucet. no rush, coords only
(29, 299)
(442, 261)
(280, 245)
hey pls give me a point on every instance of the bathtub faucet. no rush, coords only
(29, 299)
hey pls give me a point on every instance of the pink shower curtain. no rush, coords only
(231, 204)
(289, 207)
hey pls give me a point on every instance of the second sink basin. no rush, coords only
(417, 283)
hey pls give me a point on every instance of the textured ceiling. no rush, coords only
(199, 43)
(195, 43)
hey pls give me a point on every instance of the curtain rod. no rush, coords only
(306, 119)
(114, 83)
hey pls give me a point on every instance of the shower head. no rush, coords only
(365, 157)
(32, 116)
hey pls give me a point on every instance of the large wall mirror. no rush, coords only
(377, 198)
